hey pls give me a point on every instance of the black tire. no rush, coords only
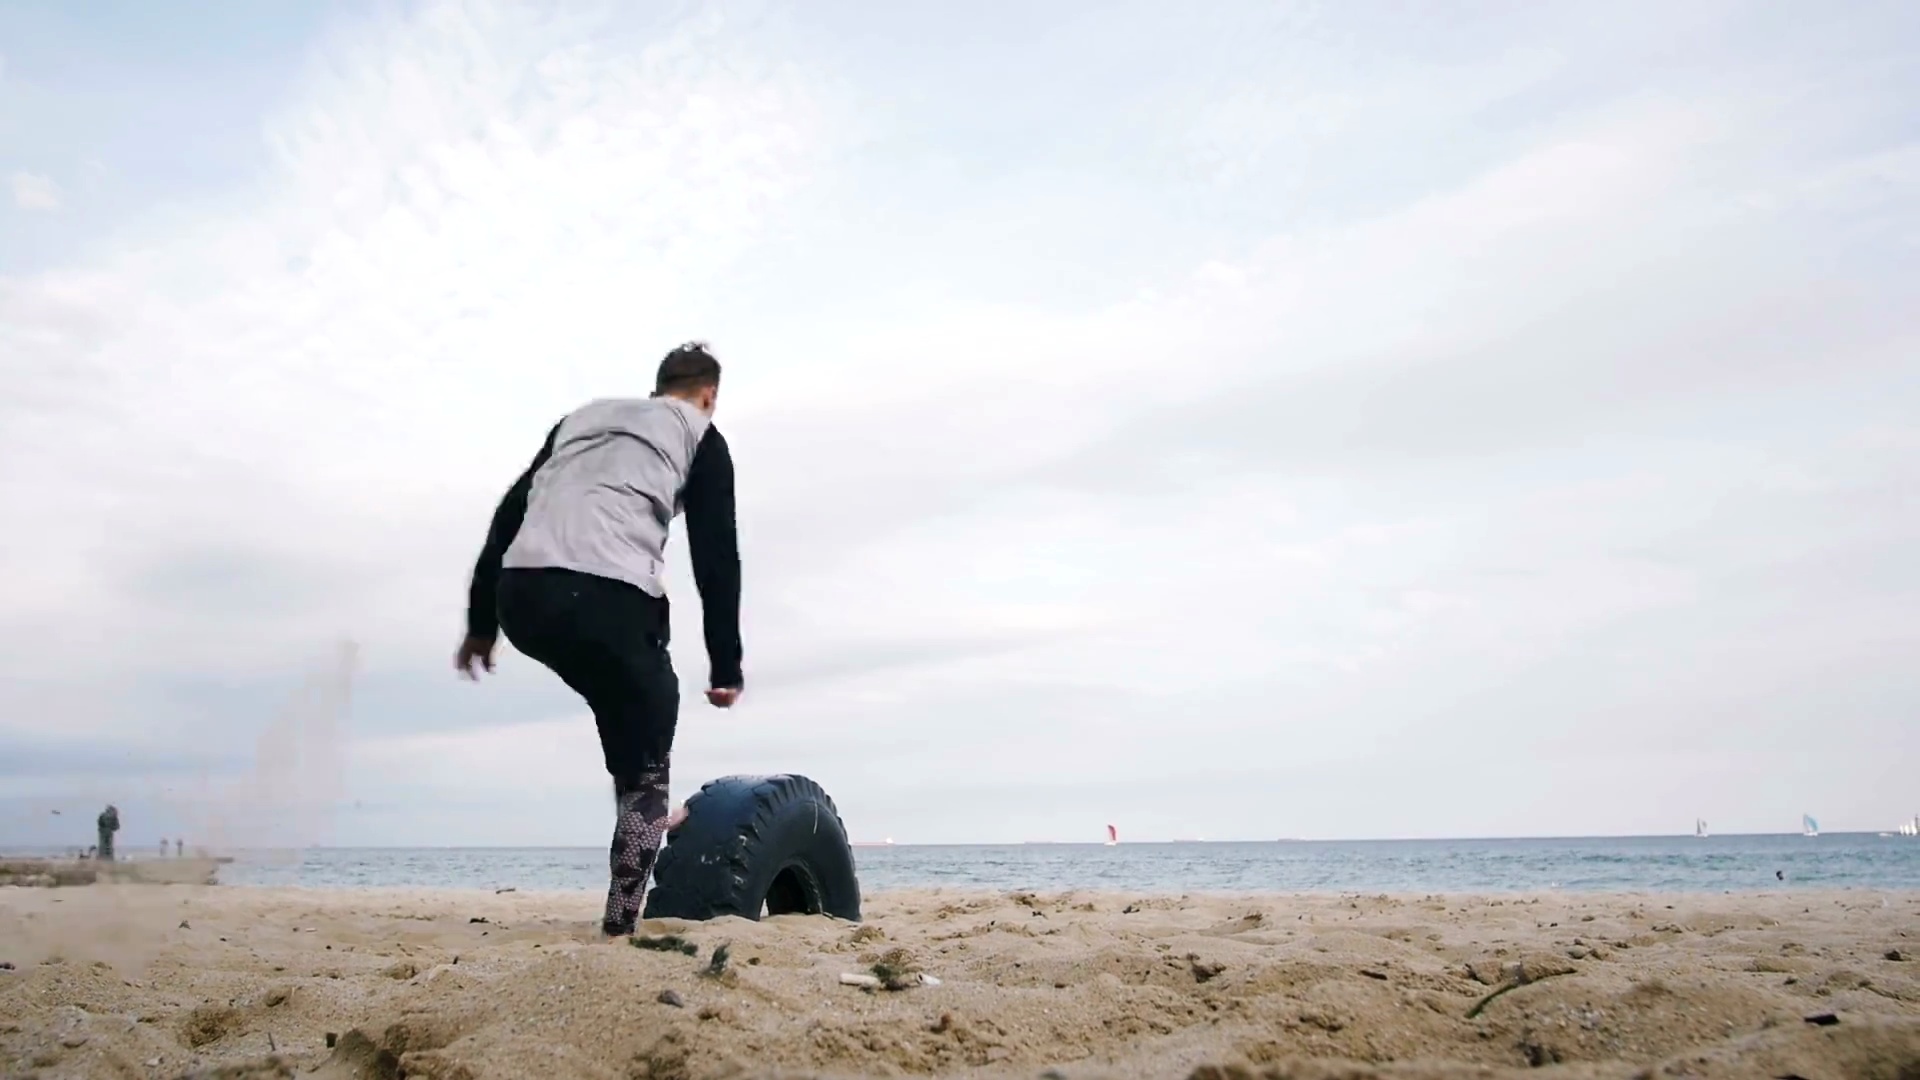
(756, 843)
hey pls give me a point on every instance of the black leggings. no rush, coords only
(608, 641)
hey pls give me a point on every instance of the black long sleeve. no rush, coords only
(483, 616)
(714, 548)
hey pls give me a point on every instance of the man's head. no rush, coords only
(691, 374)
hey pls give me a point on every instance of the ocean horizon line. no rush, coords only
(6, 846)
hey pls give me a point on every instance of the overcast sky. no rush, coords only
(1267, 420)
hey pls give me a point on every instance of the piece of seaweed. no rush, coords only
(1516, 984)
(896, 970)
(664, 943)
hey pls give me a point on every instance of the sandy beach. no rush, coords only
(119, 980)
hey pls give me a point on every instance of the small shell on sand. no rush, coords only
(872, 982)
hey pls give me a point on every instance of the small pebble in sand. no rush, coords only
(669, 997)
(1895, 955)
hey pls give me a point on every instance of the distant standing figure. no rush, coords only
(163, 847)
(179, 849)
(109, 822)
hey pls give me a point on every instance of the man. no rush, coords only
(572, 571)
(107, 823)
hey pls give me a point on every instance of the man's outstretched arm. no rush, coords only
(483, 617)
(713, 547)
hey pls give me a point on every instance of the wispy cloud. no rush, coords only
(33, 191)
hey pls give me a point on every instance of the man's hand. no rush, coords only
(723, 697)
(473, 649)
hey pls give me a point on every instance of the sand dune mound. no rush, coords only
(186, 981)
(55, 873)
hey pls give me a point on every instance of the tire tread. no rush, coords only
(707, 865)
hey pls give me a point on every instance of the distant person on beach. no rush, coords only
(179, 849)
(108, 823)
(163, 847)
(573, 571)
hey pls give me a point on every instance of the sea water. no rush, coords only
(1653, 864)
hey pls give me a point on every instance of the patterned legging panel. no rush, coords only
(640, 823)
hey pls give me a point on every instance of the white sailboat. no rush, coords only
(1113, 836)
(1700, 828)
(1808, 826)
(1911, 828)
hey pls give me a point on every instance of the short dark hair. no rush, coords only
(688, 367)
